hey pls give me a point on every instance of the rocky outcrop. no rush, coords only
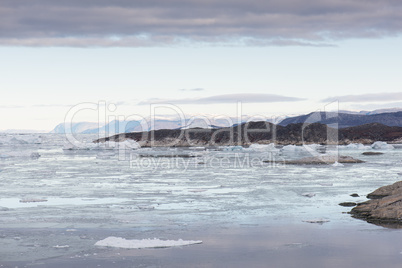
(384, 208)
(388, 190)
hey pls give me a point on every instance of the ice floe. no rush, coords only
(119, 242)
(381, 145)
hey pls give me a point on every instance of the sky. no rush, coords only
(277, 58)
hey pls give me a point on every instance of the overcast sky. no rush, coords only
(276, 57)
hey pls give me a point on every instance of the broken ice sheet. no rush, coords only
(119, 242)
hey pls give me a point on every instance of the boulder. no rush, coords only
(384, 208)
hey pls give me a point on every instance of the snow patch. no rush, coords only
(119, 242)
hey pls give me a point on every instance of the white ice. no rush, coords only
(119, 242)
(355, 146)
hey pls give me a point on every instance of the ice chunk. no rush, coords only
(61, 247)
(120, 242)
(337, 164)
(381, 145)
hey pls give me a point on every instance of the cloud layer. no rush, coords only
(159, 22)
(377, 97)
(227, 98)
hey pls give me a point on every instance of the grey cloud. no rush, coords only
(228, 98)
(135, 23)
(377, 97)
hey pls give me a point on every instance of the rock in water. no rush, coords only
(384, 209)
(372, 153)
(348, 204)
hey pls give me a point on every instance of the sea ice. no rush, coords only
(119, 242)
(233, 148)
(355, 146)
(109, 145)
(262, 147)
(292, 148)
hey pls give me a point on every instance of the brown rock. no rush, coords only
(388, 190)
(384, 209)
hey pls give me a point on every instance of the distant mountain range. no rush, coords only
(341, 119)
(344, 120)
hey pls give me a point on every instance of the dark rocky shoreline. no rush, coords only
(264, 133)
